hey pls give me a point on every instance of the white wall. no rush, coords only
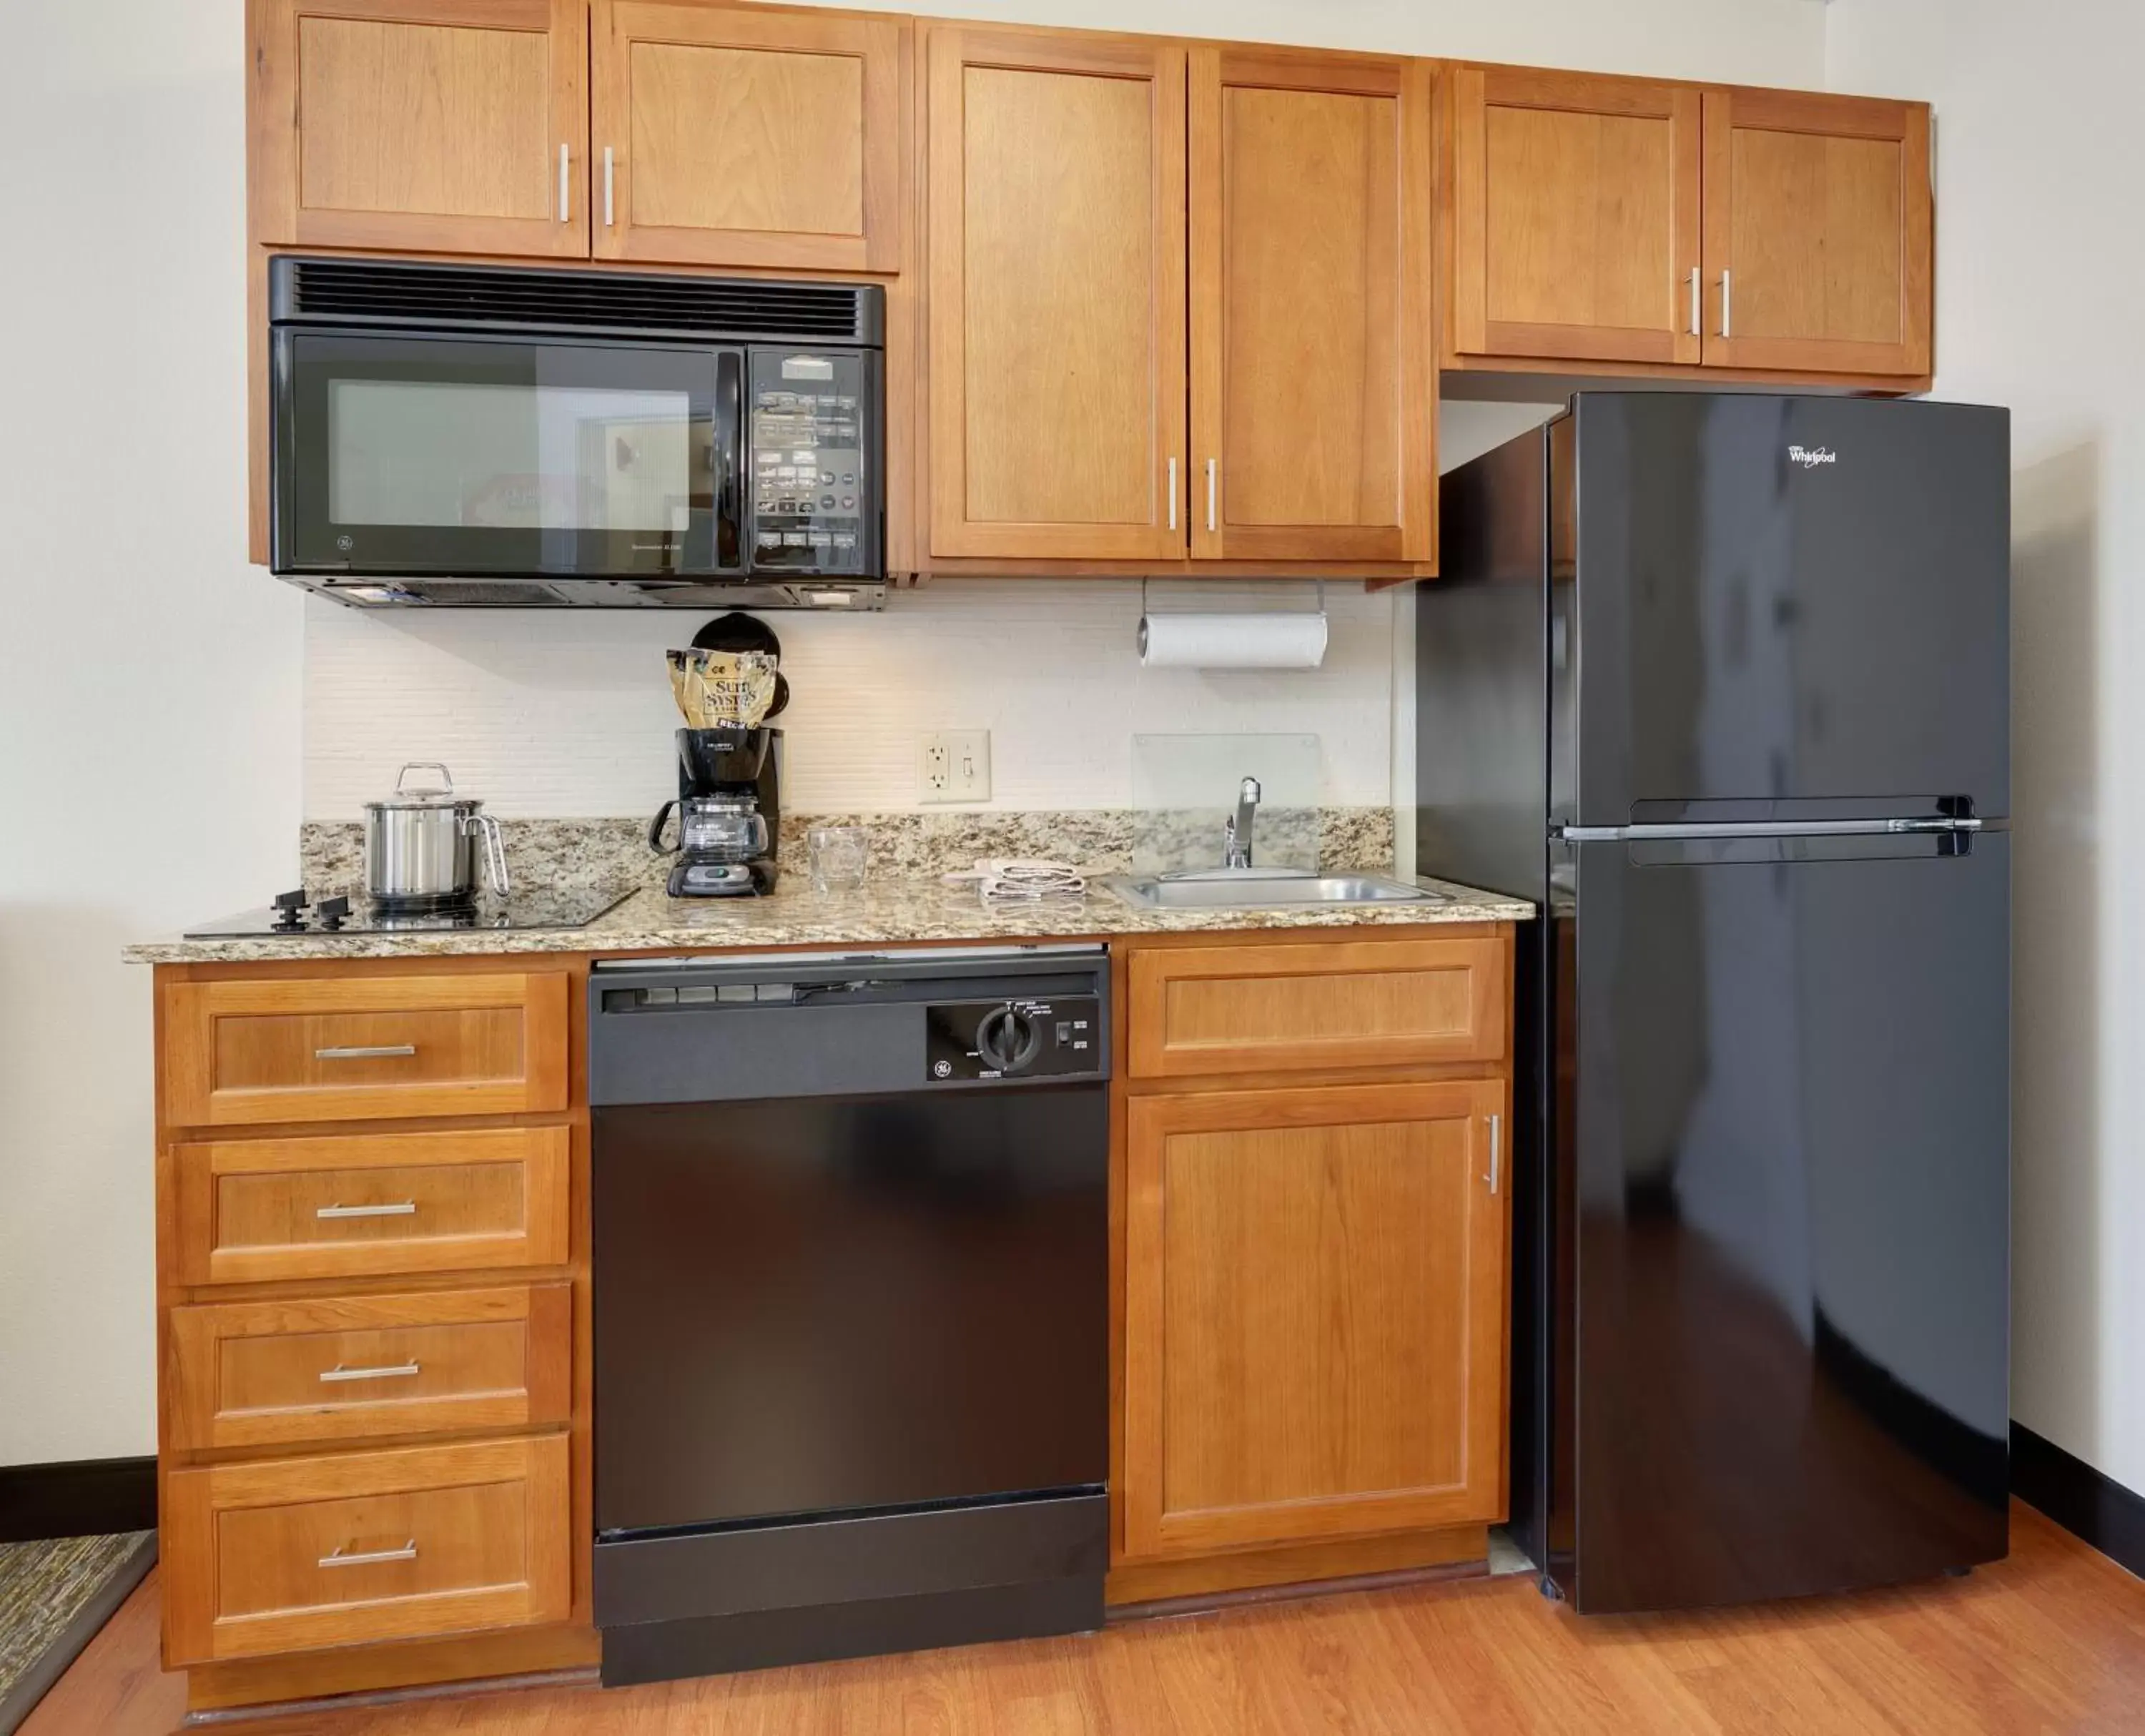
(571, 715)
(1749, 41)
(2038, 260)
(148, 681)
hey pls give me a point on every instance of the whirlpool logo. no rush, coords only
(1810, 457)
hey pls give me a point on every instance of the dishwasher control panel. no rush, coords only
(1013, 1039)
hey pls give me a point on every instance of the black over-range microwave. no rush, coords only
(475, 435)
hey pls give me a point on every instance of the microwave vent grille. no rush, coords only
(494, 298)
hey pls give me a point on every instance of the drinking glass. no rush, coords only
(837, 856)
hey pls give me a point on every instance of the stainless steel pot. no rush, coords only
(420, 844)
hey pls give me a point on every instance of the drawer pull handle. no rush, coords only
(384, 1372)
(339, 1557)
(400, 1208)
(365, 1052)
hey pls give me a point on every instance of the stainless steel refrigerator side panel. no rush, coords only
(1482, 677)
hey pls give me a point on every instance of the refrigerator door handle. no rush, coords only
(1892, 826)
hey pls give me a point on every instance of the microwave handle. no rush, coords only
(729, 461)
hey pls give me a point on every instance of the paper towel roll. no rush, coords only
(1278, 641)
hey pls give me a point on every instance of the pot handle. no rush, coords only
(495, 848)
(446, 776)
(655, 830)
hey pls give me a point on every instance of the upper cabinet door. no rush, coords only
(1056, 189)
(1817, 232)
(1312, 357)
(1574, 217)
(447, 125)
(726, 134)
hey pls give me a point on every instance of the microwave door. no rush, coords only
(402, 454)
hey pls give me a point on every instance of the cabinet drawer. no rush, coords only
(333, 1049)
(370, 1205)
(290, 1554)
(340, 1368)
(1230, 1009)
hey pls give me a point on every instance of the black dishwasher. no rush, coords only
(850, 1249)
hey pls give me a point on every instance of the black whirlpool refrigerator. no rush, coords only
(1721, 681)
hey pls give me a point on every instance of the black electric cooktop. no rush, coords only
(565, 907)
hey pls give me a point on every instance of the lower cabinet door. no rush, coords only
(1315, 1308)
(294, 1554)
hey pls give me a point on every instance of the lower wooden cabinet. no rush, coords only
(307, 1370)
(1290, 1007)
(290, 1554)
(1315, 1308)
(369, 1204)
(341, 1048)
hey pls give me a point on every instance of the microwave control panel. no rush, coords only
(814, 499)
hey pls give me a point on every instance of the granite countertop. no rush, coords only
(883, 911)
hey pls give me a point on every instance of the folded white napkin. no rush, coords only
(1002, 880)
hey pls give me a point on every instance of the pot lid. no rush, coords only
(441, 794)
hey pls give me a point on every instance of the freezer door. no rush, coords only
(1780, 1187)
(1787, 600)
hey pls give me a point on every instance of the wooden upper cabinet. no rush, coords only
(1817, 232)
(1313, 419)
(1055, 182)
(730, 135)
(448, 126)
(1574, 217)
(1314, 1314)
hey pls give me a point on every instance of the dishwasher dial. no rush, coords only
(1007, 1038)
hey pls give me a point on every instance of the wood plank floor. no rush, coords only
(2051, 1640)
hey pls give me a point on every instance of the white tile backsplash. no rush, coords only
(568, 713)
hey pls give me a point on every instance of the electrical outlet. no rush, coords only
(954, 765)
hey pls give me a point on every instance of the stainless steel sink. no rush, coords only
(1251, 889)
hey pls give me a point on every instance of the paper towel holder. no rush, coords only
(1317, 611)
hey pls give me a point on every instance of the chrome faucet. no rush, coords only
(1236, 838)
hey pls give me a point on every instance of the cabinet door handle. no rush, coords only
(1727, 301)
(1213, 467)
(1694, 301)
(364, 1051)
(343, 1556)
(394, 1371)
(565, 210)
(1172, 494)
(1496, 1151)
(609, 174)
(400, 1208)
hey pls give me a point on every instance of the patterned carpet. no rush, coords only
(54, 1595)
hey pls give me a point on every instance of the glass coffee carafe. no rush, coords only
(722, 828)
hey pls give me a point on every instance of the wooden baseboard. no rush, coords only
(360, 1669)
(2085, 1502)
(1296, 1564)
(77, 1497)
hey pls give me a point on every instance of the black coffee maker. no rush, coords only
(729, 813)
(729, 789)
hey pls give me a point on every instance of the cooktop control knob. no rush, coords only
(332, 912)
(288, 904)
(1007, 1039)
